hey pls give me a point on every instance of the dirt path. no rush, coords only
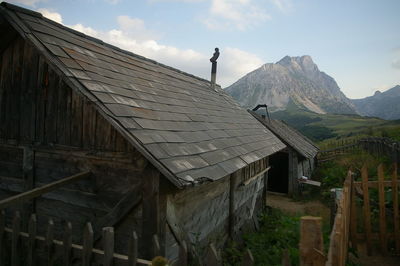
(288, 205)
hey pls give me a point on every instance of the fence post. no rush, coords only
(108, 246)
(49, 242)
(366, 207)
(395, 197)
(382, 210)
(15, 243)
(32, 230)
(87, 245)
(67, 242)
(310, 241)
(2, 238)
(133, 249)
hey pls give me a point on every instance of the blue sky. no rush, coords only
(356, 42)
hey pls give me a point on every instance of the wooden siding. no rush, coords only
(48, 131)
(37, 107)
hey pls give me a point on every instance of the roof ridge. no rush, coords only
(97, 40)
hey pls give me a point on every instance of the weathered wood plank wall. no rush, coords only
(48, 132)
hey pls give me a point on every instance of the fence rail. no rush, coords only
(29, 248)
(378, 146)
(354, 221)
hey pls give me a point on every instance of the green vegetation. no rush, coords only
(278, 232)
(320, 127)
(332, 174)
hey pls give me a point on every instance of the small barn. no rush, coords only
(143, 146)
(297, 160)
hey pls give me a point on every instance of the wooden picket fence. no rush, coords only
(28, 248)
(388, 228)
(353, 227)
(19, 248)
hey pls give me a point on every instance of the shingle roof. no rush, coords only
(289, 136)
(183, 127)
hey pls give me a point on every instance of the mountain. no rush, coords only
(291, 80)
(382, 104)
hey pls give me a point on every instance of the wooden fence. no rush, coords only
(377, 146)
(388, 227)
(19, 248)
(354, 221)
(29, 248)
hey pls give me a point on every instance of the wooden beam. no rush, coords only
(150, 212)
(121, 209)
(251, 179)
(232, 188)
(34, 193)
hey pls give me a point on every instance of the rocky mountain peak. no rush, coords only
(291, 79)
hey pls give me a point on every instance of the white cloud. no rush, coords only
(113, 2)
(51, 15)
(132, 35)
(396, 60)
(26, 2)
(283, 5)
(235, 63)
(396, 63)
(234, 14)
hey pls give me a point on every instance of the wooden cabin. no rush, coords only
(296, 161)
(156, 150)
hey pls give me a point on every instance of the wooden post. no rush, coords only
(32, 230)
(232, 188)
(396, 218)
(366, 208)
(151, 211)
(265, 184)
(87, 245)
(67, 243)
(382, 210)
(2, 238)
(293, 189)
(133, 249)
(310, 239)
(15, 243)
(108, 246)
(49, 243)
(29, 182)
(353, 216)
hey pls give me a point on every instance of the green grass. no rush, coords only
(319, 127)
(278, 232)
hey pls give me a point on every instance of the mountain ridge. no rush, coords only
(384, 105)
(296, 79)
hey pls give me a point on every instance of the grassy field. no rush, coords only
(320, 127)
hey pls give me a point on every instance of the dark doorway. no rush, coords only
(278, 176)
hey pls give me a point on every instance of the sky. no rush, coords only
(356, 42)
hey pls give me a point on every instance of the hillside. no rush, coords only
(291, 80)
(382, 104)
(324, 126)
